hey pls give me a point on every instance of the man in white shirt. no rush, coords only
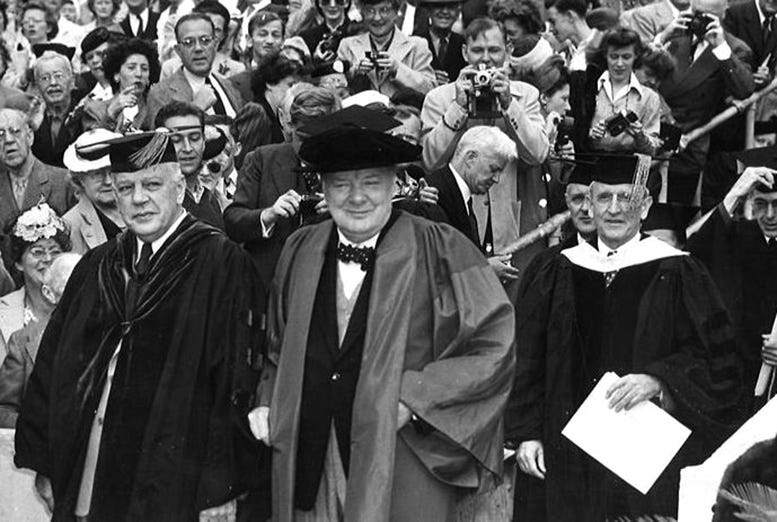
(567, 21)
(195, 81)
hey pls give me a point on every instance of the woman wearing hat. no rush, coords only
(324, 38)
(131, 67)
(95, 219)
(94, 47)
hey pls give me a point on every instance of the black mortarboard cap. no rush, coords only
(617, 169)
(581, 174)
(214, 147)
(353, 148)
(760, 157)
(665, 216)
(141, 150)
(355, 116)
(64, 50)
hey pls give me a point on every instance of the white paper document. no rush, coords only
(637, 445)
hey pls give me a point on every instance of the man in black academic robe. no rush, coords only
(642, 309)
(133, 411)
(741, 256)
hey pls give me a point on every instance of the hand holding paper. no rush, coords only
(636, 444)
(628, 391)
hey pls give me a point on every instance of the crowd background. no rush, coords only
(247, 81)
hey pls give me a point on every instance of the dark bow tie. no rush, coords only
(365, 256)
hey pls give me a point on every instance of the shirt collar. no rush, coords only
(195, 82)
(604, 250)
(606, 84)
(156, 245)
(761, 15)
(370, 243)
(466, 193)
(143, 16)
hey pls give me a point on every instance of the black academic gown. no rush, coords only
(745, 269)
(663, 318)
(175, 438)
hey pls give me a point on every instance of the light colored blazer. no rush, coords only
(177, 88)
(412, 53)
(648, 20)
(86, 231)
(16, 369)
(11, 313)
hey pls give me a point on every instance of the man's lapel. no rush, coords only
(38, 187)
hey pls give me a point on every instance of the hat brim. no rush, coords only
(75, 163)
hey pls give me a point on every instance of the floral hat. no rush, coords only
(39, 222)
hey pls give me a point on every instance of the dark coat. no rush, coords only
(149, 30)
(452, 203)
(453, 61)
(176, 441)
(742, 21)
(51, 150)
(267, 173)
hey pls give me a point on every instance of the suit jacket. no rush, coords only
(51, 151)
(46, 183)
(452, 203)
(742, 21)
(412, 52)
(648, 20)
(149, 30)
(453, 61)
(16, 369)
(86, 231)
(267, 173)
(177, 88)
(11, 313)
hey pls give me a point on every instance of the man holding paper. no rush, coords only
(628, 304)
(741, 255)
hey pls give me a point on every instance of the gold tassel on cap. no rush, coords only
(152, 152)
(639, 183)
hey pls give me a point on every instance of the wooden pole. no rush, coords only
(542, 231)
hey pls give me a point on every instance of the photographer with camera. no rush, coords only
(384, 55)
(483, 95)
(324, 38)
(720, 70)
(627, 114)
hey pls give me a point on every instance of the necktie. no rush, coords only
(772, 245)
(365, 256)
(218, 107)
(766, 30)
(19, 186)
(488, 235)
(140, 25)
(442, 49)
(610, 276)
(141, 267)
(473, 221)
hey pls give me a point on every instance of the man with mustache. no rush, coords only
(633, 305)
(135, 406)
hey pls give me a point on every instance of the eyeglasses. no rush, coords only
(605, 198)
(370, 12)
(191, 41)
(46, 78)
(39, 252)
(15, 132)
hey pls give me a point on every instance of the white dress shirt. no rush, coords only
(351, 274)
(466, 193)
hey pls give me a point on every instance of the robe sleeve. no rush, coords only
(463, 391)
(525, 409)
(32, 426)
(703, 369)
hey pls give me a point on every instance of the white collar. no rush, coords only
(143, 16)
(157, 244)
(195, 82)
(761, 15)
(371, 242)
(605, 83)
(642, 251)
(466, 193)
(605, 250)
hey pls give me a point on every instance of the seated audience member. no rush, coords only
(268, 203)
(37, 24)
(651, 19)
(140, 21)
(104, 12)
(196, 81)
(446, 45)
(23, 344)
(37, 237)
(131, 67)
(323, 39)
(54, 79)
(619, 92)
(720, 70)
(384, 55)
(95, 219)
(478, 163)
(513, 107)
(94, 48)
(741, 256)
(566, 19)
(332, 75)
(26, 180)
(186, 122)
(266, 32)
(296, 50)
(222, 64)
